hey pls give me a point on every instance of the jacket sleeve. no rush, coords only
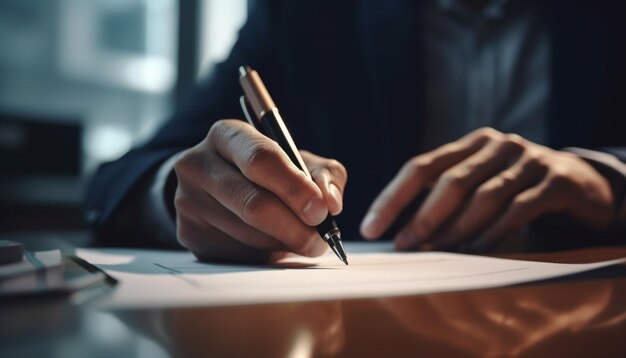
(116, 184)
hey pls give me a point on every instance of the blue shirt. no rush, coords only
(484, 68)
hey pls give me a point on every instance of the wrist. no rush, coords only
(614, 171)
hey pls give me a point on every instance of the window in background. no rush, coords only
(131, 43)
(219, 23)
(100, 72)
(108, 64)
(127, 47)
(105, 71)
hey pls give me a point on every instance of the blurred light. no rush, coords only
(219, 26)
(149, 74)
(92, 51)
(106, 328)
(303, 344)
(103, 143)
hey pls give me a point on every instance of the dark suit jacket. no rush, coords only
(347, 77)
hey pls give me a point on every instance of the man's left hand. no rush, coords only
(485, 187)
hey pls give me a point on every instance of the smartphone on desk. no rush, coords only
(50, 273)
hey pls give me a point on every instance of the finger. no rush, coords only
(330, 176)
(210, 244)
(202, 208)
(260, 208)
(412, 179)
(452, 188)
(333, 196)
(524, 208)
(261, 160)
(488, 201)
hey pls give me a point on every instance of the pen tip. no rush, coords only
(334, 241)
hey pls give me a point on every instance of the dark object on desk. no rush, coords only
(40, 167)
(10, 252)
(37, 146)
(48, 273)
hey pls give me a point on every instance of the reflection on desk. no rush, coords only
(578, 316)
(561, 319)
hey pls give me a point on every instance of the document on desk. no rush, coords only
(150, 278)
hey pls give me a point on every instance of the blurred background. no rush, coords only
(81, 81)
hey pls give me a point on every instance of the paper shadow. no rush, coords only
(153, 266)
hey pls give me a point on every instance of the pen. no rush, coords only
(269, 122)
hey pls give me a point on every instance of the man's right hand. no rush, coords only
(240, 198)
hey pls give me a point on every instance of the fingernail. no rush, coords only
(315, 211)
(369, 226)
(319, 247)
(405, 240)
(336, 195)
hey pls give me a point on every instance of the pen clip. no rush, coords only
(244, 108)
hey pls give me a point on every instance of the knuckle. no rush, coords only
(526, 203)
(182, 203)
(186, 163)
(217, 130)
(514, 142)
(489, 194)
(253, 203)
(336, 169)
(259, 154)
(535, 161)
(559, 180)
(520, 204)
(224, 131)
(183, 235)
(454, 181)
(506, 178)
(182, 162)
(488, 133)
(415, 167)
(186, 235)
(532, 159)
(515, 138)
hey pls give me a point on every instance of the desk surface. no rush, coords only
(574, 316)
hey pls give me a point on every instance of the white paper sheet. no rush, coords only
(151, 278)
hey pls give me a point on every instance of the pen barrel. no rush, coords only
(272, 126)
(269, 122)
(256, 92)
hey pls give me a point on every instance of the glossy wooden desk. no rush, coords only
(578, 316)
